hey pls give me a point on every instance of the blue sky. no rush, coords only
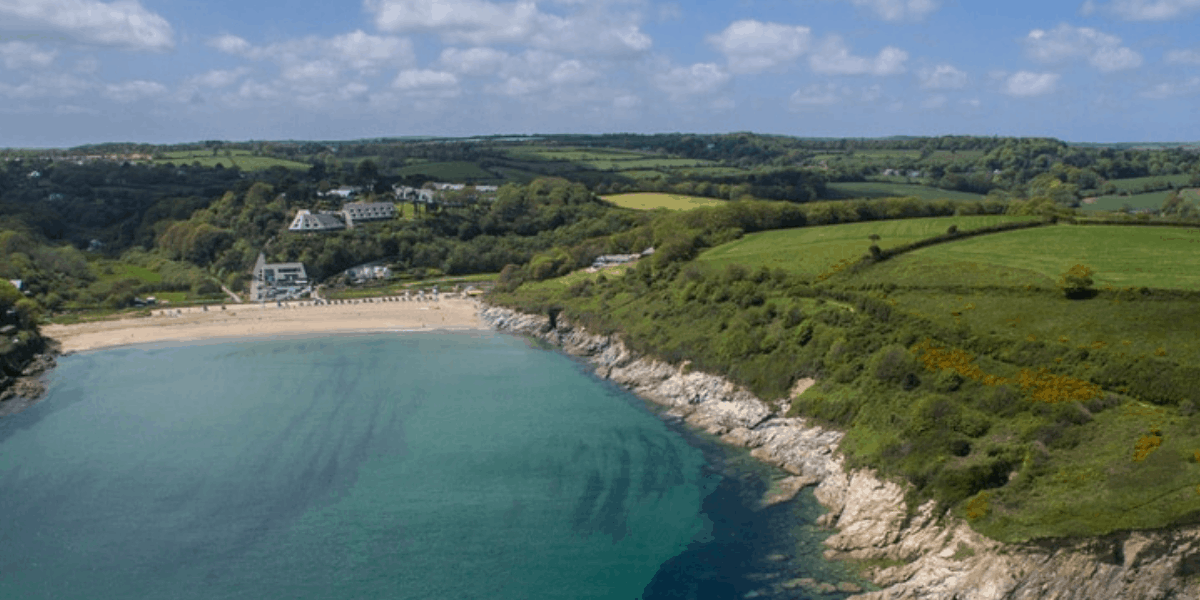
(163, 71)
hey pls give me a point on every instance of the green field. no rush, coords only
(1153, 200)
(878, 189)
(653, 200)
(242, 159)
(1122, 256)
(456, 171)
(811, 251)
(1137, 184)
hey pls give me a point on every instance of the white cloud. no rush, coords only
(60, 85)
(355, 50)
(1171, 89)
(129, 91)
(834, 58)
(942, 77)
(367, 53)
(426, 83)
(217, 78)
(1183, 57)
(1028, 84)
(124, 23)
(230, 44)
(1146, 10)
(898, 10)
(473, 62)
(700, 78)
(1102, 50)
(751, 46)
(479, 22)
(22, 55)
(321, 73)
(626, 102)
(817, 94)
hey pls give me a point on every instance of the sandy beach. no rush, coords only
(270, 319)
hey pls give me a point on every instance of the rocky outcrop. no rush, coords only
(922, 555)
(21, 383)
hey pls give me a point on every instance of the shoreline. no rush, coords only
(924, 554)
(267, 320)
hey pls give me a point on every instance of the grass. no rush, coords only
(1122, 256)
(1137, 184)
(112, 270)
(810, 251)
(879, 189)
(242, 159)
(653, 200)
(458, 171)
(1143, 200)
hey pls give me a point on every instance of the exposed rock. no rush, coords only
(925, 555)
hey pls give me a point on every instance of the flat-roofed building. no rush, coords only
(277, 280)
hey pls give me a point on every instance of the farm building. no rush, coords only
(307, 221)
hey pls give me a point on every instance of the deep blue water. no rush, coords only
(387, 466)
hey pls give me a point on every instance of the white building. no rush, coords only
(307, 221)
(367, 211)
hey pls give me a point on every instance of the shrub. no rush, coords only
(1076, 282)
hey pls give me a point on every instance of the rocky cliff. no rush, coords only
(926, 555)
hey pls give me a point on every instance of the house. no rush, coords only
(367, 211)
(368, 271)
(343, 192)
(412, 194)
(307, 221)
(17, 283)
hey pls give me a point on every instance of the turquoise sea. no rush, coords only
(422, 466)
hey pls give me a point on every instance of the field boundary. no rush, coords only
(878, 256)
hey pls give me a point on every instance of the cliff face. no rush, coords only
(926, 555)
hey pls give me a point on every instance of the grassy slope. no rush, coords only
(876, 189)
(653, 200)
(810, 251)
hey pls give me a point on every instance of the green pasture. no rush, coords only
(710, 171)
(878, 189)
(644, 174)
(1137, 184)
(653, 200)
(1146, 200)
(1006, 283)
(241, 159)
(449, 171)
(814, 250)
(1122, 256)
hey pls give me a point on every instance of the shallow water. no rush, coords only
(384, 466)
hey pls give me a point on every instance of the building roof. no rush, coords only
(306, 221)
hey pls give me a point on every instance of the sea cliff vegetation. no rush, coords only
(998, 382)
(989, 339)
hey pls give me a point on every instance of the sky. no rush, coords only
(173, 71)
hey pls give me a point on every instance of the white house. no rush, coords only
(343, 192)
(307, 221)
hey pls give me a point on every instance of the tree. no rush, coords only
(367, 172)
(1077, 282)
